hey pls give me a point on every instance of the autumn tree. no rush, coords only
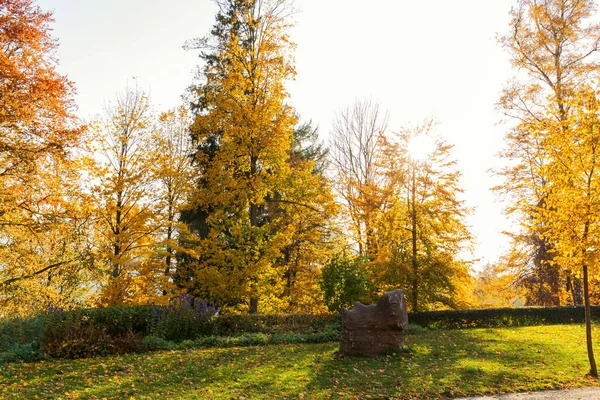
(307, 213)
(423, 230)
(573, 199)
(123, 187)
(355, 143)
(496, 287)
(173, 176)
(241, 109)
(555, 46)
(40, 217)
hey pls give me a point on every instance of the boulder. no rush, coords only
(375, 329)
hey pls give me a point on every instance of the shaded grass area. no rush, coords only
(435, 364)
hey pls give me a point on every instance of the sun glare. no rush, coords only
(421, 147)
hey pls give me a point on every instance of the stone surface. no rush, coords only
(373, 330)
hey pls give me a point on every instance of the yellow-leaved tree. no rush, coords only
(572, 202)
(128, 211)
(173, 180)
(307, 212)
(555, 45)
(423, 232)
(243, 130)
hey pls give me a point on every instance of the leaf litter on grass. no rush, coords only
(434, 364)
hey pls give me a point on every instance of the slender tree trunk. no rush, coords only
(588, 323)
(253, 222)
(170, 218)
(117, 244)
(415, 266)
(577, 292)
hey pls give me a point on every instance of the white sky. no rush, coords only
(419, 59)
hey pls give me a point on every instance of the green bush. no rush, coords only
(119, 320)
(501, 317)
(230, 325)
(345, 281)
(12, 351)
(114, 320)
(21, 339)
(152, 343)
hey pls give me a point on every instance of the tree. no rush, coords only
(423, 230)
(241, 109)
(39, 210)
(356, 140)
(496, 288)
(46, 250)
(553, 44)
(173, 174)
(307, 213)
(573, 199)
(344, 281)
(123, 188)
(307, 147)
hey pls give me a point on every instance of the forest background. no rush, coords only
(231, 196)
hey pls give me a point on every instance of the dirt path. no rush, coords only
(568, 394)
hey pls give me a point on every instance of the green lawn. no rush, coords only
(436, 364)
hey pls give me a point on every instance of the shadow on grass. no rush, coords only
(435, 364)
(454, 363)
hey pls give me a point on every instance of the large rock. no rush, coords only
(372, 330)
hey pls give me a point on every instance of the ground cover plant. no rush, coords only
(434, 364)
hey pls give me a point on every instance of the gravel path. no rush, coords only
(568, 394)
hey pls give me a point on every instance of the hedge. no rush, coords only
(142, 320)
(501, 317)
(231, 325)
(86, 332)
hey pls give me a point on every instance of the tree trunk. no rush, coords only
(588, 323)
(415, 266)
(254, 209)
(577, 292)
(170, 219)
(253, 306)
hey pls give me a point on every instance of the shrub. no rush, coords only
(21, 339)
(229, 325)
(152, 343)
(76, 342)
(77, 334)
(118, 320)
(184, 318)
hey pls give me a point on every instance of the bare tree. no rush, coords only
(356, 136)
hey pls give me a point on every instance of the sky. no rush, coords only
(419, 59)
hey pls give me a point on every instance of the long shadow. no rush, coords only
(453, 363)
(435, 364)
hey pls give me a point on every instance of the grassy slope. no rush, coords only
(437, 364)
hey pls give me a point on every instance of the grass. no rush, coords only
(434, 364)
